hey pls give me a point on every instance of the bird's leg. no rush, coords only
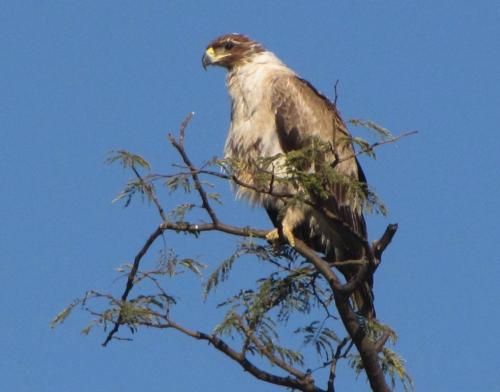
(287, 232)
(293, 217)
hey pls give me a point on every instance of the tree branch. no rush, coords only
(384, 241)
(367, 348)
(372, 146)
(130, 279)
(240, 358)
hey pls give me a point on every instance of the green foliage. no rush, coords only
(178, 181)
(178, 214)
(270, 339)
(228, 325)
(381, 132)
(247, 247)
(221, 273)
(394, 366)
(138, 185)
(133, 187)
(169, 262)
(128, 160)
(324, 340)
(310, 176)
(261, 311)
(64, 314)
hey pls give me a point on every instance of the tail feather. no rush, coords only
(363, 299)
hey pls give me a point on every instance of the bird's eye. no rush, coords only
(228, 45)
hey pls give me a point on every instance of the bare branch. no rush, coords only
(333, 365)
(335, 95)
(225, 228)
(179, 146)
(152, 194)
(131, 278)
(372, 146)
(384, 241)
(182, 128)
(321, 301)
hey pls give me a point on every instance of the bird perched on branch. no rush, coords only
(292, 154)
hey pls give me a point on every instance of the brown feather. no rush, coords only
(303, 114)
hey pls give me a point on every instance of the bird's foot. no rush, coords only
(274, 236)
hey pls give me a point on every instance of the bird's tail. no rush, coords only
(363, 300)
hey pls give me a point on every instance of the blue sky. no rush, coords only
(78, 79)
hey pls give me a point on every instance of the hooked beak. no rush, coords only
(208, 58)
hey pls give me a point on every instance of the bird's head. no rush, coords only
(230, 50)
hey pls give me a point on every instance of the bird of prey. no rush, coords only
(275, 112)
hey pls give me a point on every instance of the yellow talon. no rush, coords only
(273, 235)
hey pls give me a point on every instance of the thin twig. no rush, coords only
(182, 128)
(372, 146)
(152, 194)
(178, 144)
(131, 277)
(333, 365)
(320, 300)
(335, 96)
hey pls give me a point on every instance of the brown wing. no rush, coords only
(302, 115)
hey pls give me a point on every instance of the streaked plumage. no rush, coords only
(274, 111)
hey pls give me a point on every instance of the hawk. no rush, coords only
(275, 112)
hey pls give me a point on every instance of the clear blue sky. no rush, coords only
(78, 79)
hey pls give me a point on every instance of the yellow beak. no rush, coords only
(208, 57)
